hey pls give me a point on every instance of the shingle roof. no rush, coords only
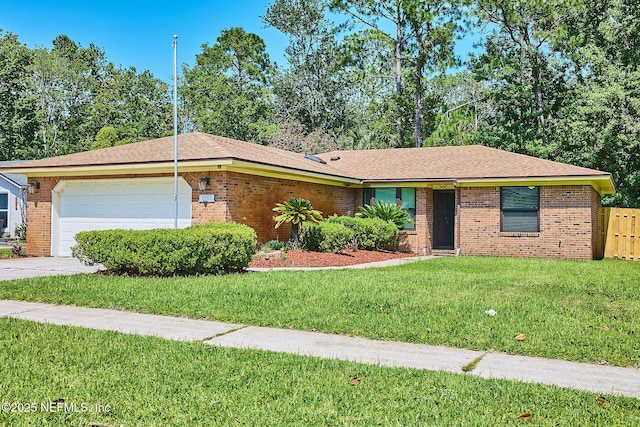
(192, 147)
(408, 164)
(454, 162)
(18, 180)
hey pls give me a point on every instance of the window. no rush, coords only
(403, 197)
(4, 210)
(519, 208)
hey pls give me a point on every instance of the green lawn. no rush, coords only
(145, 381)
(581, 311)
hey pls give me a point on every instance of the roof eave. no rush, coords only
(603, 184)
(228, 163)
(11, 181)
(264, 169)
(109, 168)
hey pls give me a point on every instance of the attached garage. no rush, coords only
(130, 203)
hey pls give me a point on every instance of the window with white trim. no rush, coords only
(520, 209)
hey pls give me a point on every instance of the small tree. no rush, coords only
(106, 137)
(296, 211)
(389, 212)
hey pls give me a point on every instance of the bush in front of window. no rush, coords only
(201, 249)
(389, 212)
(370, 233)
(326, 237)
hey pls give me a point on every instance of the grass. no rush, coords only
(580, 311)
(472, 365)
(146, 381)
(8, 253)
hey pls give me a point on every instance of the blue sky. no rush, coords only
(139, 33)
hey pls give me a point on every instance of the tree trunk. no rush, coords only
(537, 96)
(418, 131)
(293, 237)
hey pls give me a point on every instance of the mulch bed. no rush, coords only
(298, 258)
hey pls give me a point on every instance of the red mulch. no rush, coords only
(297, 258)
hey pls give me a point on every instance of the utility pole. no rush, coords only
(175, 131)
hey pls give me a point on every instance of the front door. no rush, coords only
(444, 210)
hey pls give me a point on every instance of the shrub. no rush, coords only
(16, 249)
(201, 249)
(297, 211)
(325, 237)
(311, 237)
(21, 231)
(370, 233)
(387, 211)
(273, 245)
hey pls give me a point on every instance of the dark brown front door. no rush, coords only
(444, 210)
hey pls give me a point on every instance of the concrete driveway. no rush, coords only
(23, 268)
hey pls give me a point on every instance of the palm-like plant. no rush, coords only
(389, 212)
(296, 211)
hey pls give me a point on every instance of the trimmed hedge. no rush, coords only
(201, 249)
(370, 233)
(325, 237)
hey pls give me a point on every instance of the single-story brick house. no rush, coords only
(471, 199)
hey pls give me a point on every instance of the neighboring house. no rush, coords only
(13, 196)
(469, 199)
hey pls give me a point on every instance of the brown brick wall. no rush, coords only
(419, 240)
(254, 198)
(218, 186)
(567, 224)
(39, 218)
(250, 199)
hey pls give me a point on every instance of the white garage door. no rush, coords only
(136, 204)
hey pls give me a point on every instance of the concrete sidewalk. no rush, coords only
(581, 376)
